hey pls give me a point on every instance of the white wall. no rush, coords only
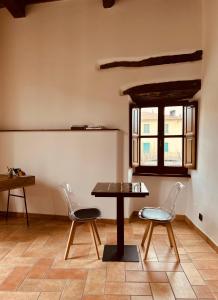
(48, 75)
(48, 59)
(80, 158)
(203, 196)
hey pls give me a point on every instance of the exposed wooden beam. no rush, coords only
(167, 91)
(164, 96)
(38, 1)
(156, 60)
(163, 86)
(108, 3)
(15, 7)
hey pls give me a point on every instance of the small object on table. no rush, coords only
(120, 252)
(10, 172)
(15, 171)
(78, 127)
(19, 172)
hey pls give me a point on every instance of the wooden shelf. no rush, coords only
(57, 130)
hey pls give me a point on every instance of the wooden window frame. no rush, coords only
(160, 169)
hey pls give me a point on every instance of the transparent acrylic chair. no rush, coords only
(162, 215)
(78, 214)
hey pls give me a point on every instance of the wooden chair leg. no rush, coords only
(96, 231)
(145, 233)
(149, 240)
(70, 238)
(174, 241)
(169, 235)
(92, 231)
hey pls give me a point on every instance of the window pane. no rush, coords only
(149, 151)
(149, 121)
(173, 152)
(173, 120)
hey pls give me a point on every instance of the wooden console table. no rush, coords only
(15, 182)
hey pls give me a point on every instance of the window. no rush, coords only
(163, 139)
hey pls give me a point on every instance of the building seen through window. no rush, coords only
(172, 136)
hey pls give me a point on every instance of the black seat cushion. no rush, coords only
(87, 213)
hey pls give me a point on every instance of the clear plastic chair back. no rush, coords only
(170, 203)
(69, 198)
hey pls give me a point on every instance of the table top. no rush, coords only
(10, 183)
(116, 189)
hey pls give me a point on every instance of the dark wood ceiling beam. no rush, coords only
(164, 96)
(164, 86)
(15, 7)
(156, 60)
(108, 3)
(164, 91)
(38, 1)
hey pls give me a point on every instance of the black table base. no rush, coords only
(130, 253)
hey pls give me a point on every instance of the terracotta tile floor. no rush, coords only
(32, 265)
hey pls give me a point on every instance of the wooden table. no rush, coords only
(120, 252)
(15, 182)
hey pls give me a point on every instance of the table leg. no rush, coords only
(24, 196)
(18, 196)
(120, 252)
(8, 205)
(120, 226)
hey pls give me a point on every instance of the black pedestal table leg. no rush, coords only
(120, 226)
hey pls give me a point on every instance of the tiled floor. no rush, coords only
(32, 265)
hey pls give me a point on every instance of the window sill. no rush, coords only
(161, 175)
